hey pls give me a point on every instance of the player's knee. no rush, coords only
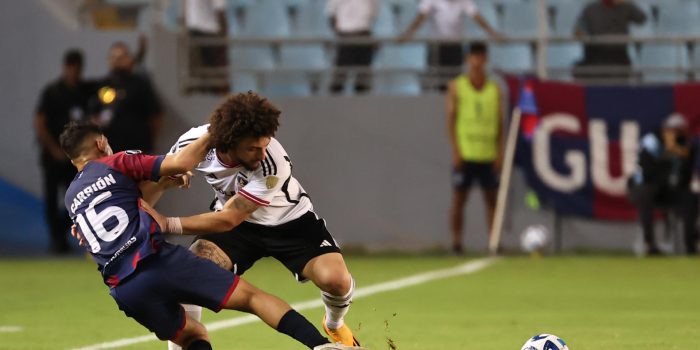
(334, 282)
(242, 298)
(193, 331)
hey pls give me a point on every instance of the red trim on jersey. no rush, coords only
(236, 278)
(137, 166)
(178, 332)
(254, 199)
(112, 281)
(221, 161)
(136, 259)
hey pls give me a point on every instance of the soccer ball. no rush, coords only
(545, 342)
(534, 238)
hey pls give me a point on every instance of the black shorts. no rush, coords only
(464, 176)
(293, 243)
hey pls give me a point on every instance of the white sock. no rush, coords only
(337, 307)
(193, 311)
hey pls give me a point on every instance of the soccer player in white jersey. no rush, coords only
(269, 212)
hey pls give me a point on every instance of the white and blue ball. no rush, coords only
(534, 238)
(545, 342)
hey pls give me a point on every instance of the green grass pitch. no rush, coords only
(591, 302)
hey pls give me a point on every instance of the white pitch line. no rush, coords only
(10, 329)
(421, 278)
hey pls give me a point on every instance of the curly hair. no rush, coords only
(241, 116)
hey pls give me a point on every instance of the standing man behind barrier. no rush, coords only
(607, 17)
(127, 105)
(352, 19)
(64, 100)
(207, 19)
(447, 22)
(474, 124)
(666, 164)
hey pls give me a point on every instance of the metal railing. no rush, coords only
(193, 77)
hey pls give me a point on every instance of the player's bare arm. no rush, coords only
(451, 111)
(187, 159)
(152, 191)
(235, 211)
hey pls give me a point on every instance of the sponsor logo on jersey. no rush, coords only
(241, 181)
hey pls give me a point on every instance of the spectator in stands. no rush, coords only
(352, 19)
(607, 17)
(667, 161)
(207, 19)
(474, 124)
(126, 104)
(447, 22)
(61, 101)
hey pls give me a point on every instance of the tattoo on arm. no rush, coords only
(244, 205)
(210, 251)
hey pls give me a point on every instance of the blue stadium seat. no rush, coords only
(233, 21)
(407, 11)
(410, 56)
(520, 18)
(648, 28)
(565, 15)
(511, 57)
(385, 24)
(396, 84)
(286, 84)
(171, 15)
(488, 12)
(564, 55)
(303, 56)
(679, 18)
(663, 56)
(313, 21)
(243, 82)
(267, 19)
(252, 57)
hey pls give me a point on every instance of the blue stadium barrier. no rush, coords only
(24, 227)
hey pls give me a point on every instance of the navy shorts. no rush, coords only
(153, 293)
(464, 176)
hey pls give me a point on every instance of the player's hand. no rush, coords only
(181, 181)
(74, 232)
(160, 219)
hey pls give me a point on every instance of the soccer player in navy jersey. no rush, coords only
(148, 277)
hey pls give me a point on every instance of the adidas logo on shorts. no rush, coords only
(325, 243)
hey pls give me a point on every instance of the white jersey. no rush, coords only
(272, 186)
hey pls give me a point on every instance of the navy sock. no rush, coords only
(296, 326)
(199, 344)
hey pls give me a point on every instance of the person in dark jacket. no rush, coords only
(667, 161)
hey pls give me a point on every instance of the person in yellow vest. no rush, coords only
(474, 124)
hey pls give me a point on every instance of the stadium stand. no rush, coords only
(673, 23)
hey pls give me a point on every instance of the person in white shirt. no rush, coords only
(352, 19)
(268, 211)
(207, 19)
(446, 22)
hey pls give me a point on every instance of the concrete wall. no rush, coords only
(377, 168)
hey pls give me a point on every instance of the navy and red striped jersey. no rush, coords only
(103, 202)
